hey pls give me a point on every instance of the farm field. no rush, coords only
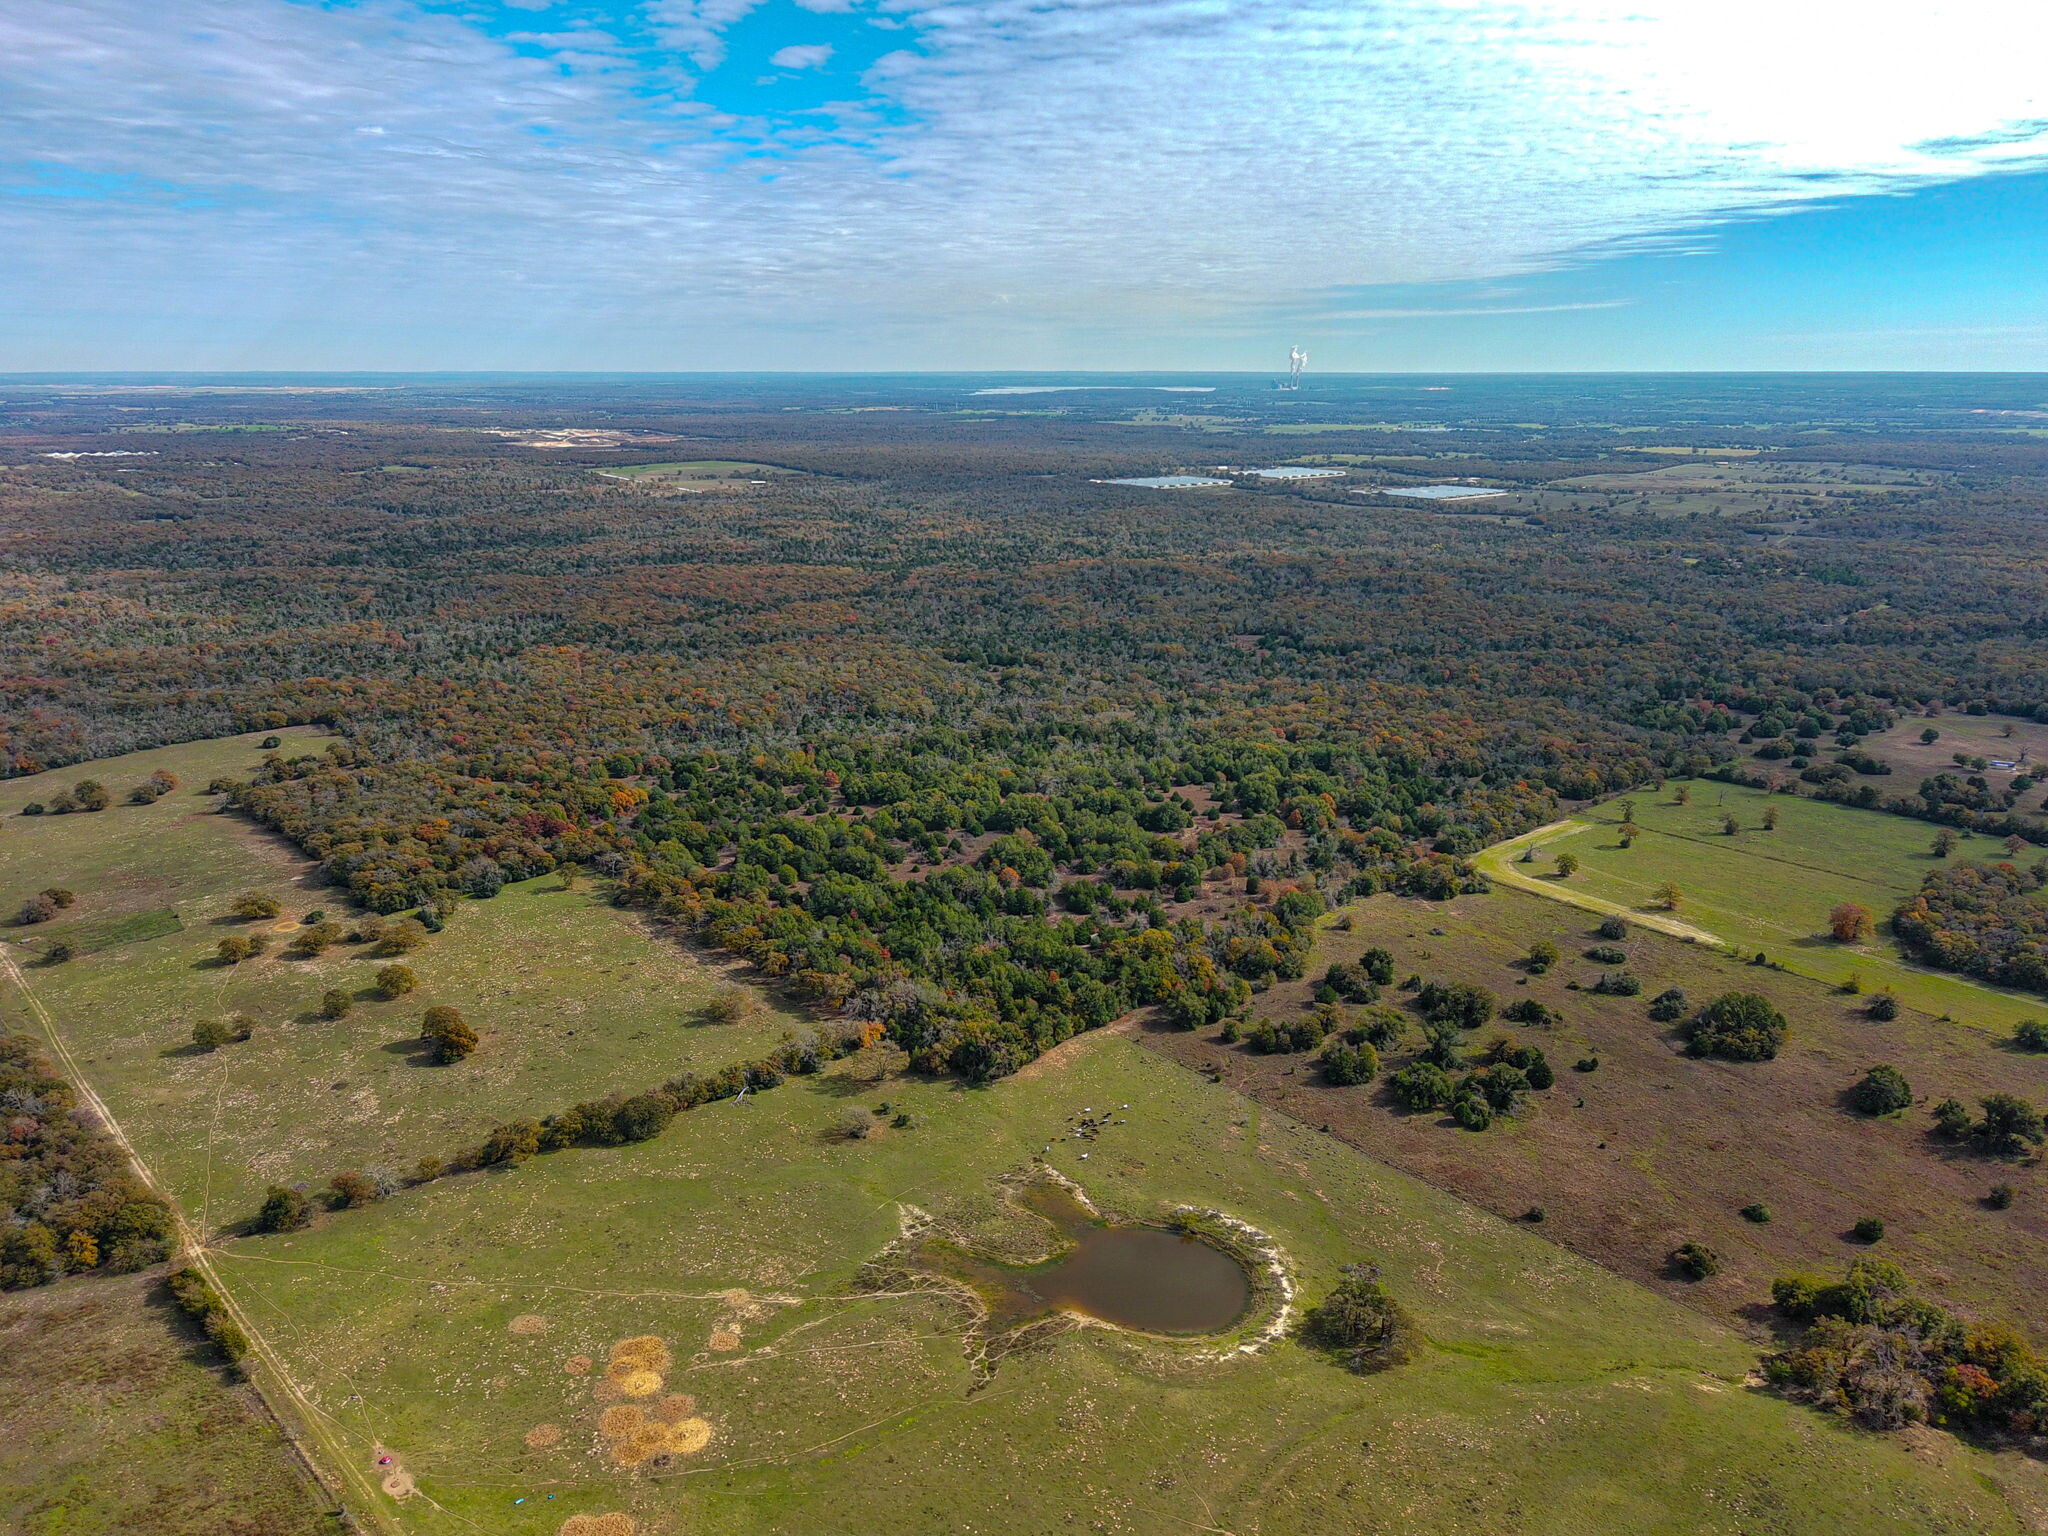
(1766, 890)
(1655, 1148)
(116, 1422)
(571, 998)
(453, 1341)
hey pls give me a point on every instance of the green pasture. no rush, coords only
(1549, 1397)
(463, 1328)
(1771, 890)
(571, 998)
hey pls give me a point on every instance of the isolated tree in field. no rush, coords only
(1629, 832)
(2009, 1125)
(335, 1003)
(448, 1033)
(252, 906)
(90, 794)
(315, 939)
(1613, 926)
(1668, 896)
(1952, 1119)
(396, 980)
(1695, 1261)
(59, 897)
(728, 1005)
(1738, 1026)
(1682, 795)
(284, 1210)
(1770, 818)
(234, 949)
(2030, 1035)
(1567, 865)
(1945, 842)
(1882, 1091)
(1929, 737)
(353, 1189)
(1850, 923)
(401, 937)
(37, 909)
(212, 1034)
(1357, 1321)
(1729, 825)
(2015, 846)
(1883, 1007)
(1541, 957)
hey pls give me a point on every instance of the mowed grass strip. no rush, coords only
(1772, 890)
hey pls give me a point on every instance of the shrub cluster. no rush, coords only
(1876, 1352)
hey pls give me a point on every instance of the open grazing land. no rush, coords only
(909, 987)
(532, 1344)
(1764, 889)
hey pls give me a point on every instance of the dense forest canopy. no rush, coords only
(937, 726)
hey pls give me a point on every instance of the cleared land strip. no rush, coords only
(304, 1422)
(1494, 864)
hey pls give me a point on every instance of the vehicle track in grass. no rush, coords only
(303, 1422)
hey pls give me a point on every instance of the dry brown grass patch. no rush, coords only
(613, 1524)
(578, 1365)
(541, 1436)
(688, 1437)
(725, 1339)
(527, 1324)
(638, 1383)
(674, 1408)
(647, 1352)
(617, 1423)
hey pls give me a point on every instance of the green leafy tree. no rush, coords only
(396, 980)
(448, 1033)
(336, 1004)
(1695, 1261)
(284, 1210)
(1882, 1091)
(1737, 1026)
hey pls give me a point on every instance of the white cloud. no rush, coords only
(801, 56)
(1092, 172)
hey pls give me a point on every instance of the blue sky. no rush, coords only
(887, 184)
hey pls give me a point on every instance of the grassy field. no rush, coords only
(570, 997)
(1551, 1396)
(1655, 1148)
(463, 1329)
(117, 1422)
(1765, 890)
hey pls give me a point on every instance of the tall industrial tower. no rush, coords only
(1296, 361)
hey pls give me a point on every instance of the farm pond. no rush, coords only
(1147, 1278)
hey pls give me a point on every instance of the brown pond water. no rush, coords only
(1147, 1278)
